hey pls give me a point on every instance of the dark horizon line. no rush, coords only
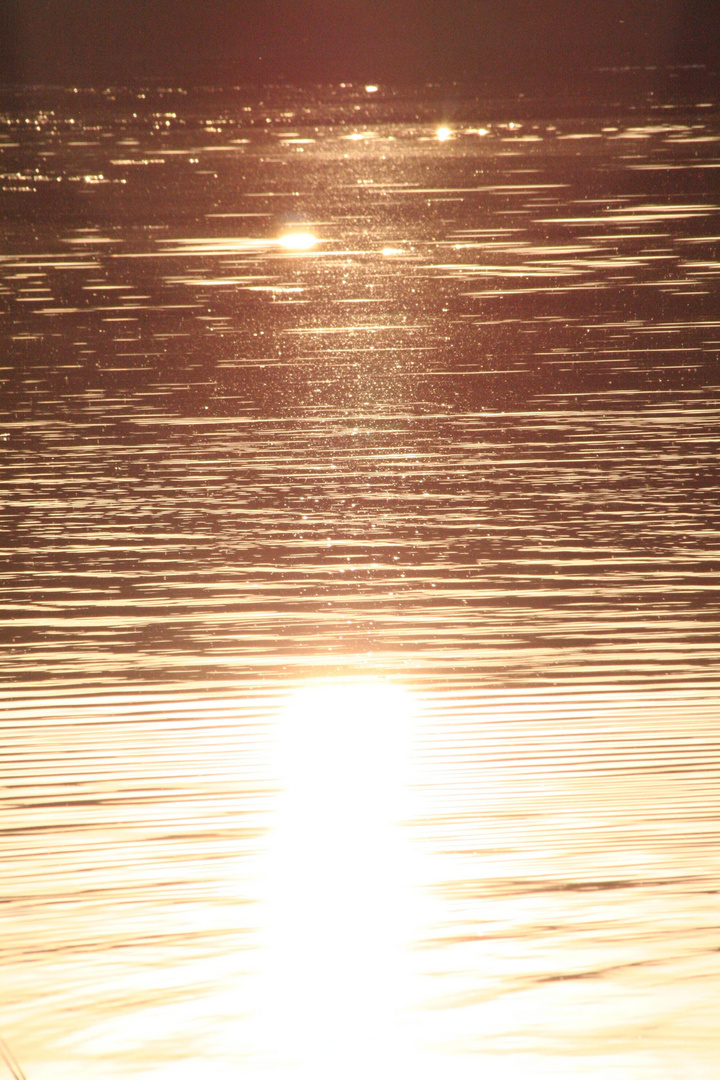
(507, 81)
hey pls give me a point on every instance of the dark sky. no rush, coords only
(85, 42)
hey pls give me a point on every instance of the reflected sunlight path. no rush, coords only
(339, 896)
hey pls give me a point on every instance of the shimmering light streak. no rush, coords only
(298, 241)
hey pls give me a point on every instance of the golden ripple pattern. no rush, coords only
(312, 415)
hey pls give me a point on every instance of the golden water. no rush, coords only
(360, 605)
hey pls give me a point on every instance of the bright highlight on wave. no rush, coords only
(298, 241)
(443, 133)
(339, 903)
(355, 731)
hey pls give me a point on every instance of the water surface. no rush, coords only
(440, 465)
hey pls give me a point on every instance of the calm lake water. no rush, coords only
(360, 620)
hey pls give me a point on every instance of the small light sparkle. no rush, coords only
(298, 241)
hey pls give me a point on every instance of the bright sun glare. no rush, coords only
(358, 726)
(298, 241)
(339, 903)
(443, 133)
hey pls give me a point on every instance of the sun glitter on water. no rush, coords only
(298, 241)
(339, 906)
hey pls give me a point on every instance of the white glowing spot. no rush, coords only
(346, 732)
(483, 131)
(392, 251)
(339, 909)
(371, 88)
(298, 241)
(443, 133)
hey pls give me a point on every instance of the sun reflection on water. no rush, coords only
(298, 241)
(339, 899)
